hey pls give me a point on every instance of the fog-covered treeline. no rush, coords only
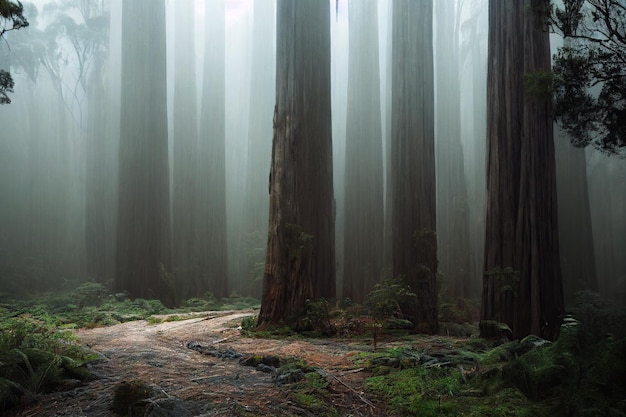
(138, 152)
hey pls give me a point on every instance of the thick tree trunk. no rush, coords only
(413, 160)
(143, 237)
(300, 258)
(522, 280)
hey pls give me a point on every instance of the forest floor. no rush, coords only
(193, 367)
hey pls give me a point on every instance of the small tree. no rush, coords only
(384, 302)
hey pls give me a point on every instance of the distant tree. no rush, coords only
(522, 279)
(11, 14)
(413, 160)
(185, 158)
(262, 96)
(363, 238)
(143, 263)
(211, 237)
(576, 243)
(300, 260)
(590, 72)
(453, 238)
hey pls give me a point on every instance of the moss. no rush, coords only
(154, 320)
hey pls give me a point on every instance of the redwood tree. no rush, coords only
(185, 149)
(413, 160)
(522, 278)
(143, 262)
(300, 260)
(210, 211)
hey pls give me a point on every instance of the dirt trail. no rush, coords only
(186, 382)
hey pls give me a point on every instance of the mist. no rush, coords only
(133, 136)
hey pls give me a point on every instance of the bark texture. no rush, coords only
(522, 280)
(413, 160)
(300, 261)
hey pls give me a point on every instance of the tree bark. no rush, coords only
(522, 280)
(413, 160)
(300, 257)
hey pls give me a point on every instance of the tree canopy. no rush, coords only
(590, 73)
(11, 18)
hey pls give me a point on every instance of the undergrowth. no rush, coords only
(39, 352)
(36, 357)
(583, 373)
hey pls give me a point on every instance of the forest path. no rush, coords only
(186, 382)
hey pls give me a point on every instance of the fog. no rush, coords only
(145, 132)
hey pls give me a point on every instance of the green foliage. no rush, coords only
(591, 60)
(317, 318)
(248, 325)
(35, 357)
(582, 373)
(6, 86)
(312, 391)
(418, 390)
(386, 297)
(539, 84)
(13, 12)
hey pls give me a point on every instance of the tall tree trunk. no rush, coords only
(262, 94)
(185, 148)
(575, 233)
(522, 280)
(96, 248)
(453, 242)
(300, 248)
(211, 197)
(413, 160)
(143, 231)
(364, 214)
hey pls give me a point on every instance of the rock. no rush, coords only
(289, 376)
(221, 353)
